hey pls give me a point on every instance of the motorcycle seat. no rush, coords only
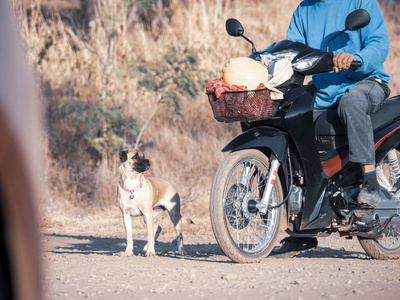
(329, 123)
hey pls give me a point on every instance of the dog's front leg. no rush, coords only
(148, 216)
(129, 238)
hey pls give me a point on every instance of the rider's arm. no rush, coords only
(374, 39)
(296, 30)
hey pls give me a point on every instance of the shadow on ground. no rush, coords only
(325, 252)
(86, 245)
(199, 250)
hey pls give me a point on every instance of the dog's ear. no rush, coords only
(123, 155)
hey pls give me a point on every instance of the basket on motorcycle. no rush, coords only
(242, 106)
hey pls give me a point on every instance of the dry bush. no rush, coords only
(72, 68)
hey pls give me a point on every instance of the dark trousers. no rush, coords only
(355, 109)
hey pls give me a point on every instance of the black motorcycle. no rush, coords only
(285, 172)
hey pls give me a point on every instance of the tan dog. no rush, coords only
(138, 195)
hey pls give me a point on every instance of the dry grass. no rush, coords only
(186, 152)
(392, 14)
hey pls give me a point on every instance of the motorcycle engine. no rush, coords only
(343, 202)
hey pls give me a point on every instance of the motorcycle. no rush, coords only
(286, 173)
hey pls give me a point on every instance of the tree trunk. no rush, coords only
(89, 15)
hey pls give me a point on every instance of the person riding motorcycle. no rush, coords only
(356, 94)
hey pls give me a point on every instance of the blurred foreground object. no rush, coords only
(20, 169)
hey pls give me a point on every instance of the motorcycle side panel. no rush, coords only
(335, 165)
(261, 137)
(299, 120)
(334, 154)
(386, 139)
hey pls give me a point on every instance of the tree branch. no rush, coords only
(109, 35)
(147, 122)
(107, 64)
(72, 22)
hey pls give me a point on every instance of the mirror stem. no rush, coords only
(327, 49)
(253, 49)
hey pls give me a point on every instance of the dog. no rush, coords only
(147, 197)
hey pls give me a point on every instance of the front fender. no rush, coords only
(261, 137)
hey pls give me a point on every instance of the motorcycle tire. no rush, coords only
(243, 234)
(387, 246)
(377, 250)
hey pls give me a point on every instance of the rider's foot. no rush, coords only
(369, 196)
(292, 246)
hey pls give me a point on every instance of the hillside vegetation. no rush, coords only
(141, 73)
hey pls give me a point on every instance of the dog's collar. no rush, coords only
(130, 191)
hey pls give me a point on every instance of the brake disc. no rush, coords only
(233, 207)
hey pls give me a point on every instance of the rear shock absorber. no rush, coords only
(394, 165)
(391, 181)
(394, 169)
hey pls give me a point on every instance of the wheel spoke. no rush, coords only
(388, 245)
(242, 233)
(249, 231)
(391, 241)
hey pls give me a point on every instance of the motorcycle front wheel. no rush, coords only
(244, 235)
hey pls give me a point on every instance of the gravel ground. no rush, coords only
(86, 264)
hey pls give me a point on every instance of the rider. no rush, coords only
(355, 94)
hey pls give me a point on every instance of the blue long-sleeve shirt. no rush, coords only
(315, 22)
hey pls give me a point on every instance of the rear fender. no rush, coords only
(259, 138)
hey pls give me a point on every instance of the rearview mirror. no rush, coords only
(357, 20)
(234, 28)
(354, 21)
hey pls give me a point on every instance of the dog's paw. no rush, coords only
(182, 252)
(126, 254)
(150, 254)
(181, 249)
(146, 247)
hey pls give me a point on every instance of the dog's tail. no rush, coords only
(186, 221)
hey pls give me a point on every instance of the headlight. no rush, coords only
(305, 64)
(269, 58)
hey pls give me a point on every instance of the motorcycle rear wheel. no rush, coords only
(384, 248)
(243, 234)
(387, 246)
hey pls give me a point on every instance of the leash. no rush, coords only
(131, 196)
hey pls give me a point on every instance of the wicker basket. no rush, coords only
(243, 106)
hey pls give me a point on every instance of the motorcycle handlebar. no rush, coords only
(355, 65)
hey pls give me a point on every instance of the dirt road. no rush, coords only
(84, 263)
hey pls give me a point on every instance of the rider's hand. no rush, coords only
(342, 61)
